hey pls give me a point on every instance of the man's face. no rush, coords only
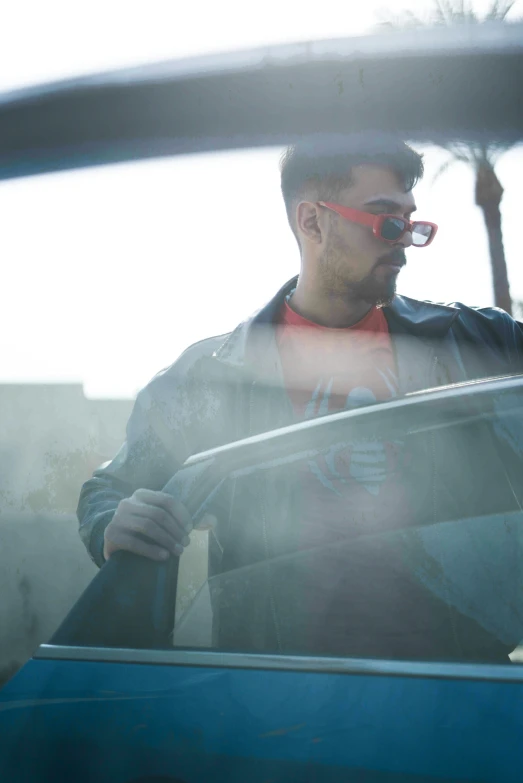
(353, 262)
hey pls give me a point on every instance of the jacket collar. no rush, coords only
(404, 316)
(420, 319)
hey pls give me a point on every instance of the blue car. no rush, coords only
(399, 660)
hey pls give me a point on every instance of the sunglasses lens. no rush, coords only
(421, 234)
(392, 228)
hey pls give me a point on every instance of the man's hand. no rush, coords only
(163, 520)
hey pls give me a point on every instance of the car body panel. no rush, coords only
(119, 721)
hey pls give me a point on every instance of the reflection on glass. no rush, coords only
(451, 591)
(419, 577)
(421, 234)
(392, 229)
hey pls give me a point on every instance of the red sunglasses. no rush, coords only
(388, 228)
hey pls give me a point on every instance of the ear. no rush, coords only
(308, 221)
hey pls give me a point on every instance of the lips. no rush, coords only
(395, 261)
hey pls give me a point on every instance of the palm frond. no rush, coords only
(493, 11)
(472, 155)
(499, 10)
(443, 168)
(441, 12)
(497, 149)
(461, 152)
(450, 12)
(477, 154)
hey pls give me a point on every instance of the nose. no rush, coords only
(406, 240)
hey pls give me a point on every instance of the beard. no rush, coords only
(374, 292)
(378, 288)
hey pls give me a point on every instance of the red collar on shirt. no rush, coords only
(374, 321)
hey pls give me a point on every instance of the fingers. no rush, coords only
(129, 543)
(132, 507)
(162, 520)
(166, 502)
(144, 526)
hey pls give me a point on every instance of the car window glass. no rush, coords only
(427, 576)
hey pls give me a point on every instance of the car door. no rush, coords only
(394, 658)
(126, 691)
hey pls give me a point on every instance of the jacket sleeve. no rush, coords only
(495, 336)
(152, 452)
(510, 337)
(515, 337)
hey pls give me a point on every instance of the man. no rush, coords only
(335, 337)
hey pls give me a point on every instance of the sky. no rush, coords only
(110, 273)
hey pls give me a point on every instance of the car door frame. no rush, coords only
(130, 604)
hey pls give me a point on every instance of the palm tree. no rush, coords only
(481, 157)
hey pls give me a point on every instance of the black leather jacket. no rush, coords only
(229, 387)
(215, 393)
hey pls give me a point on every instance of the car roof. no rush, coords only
(428, 85)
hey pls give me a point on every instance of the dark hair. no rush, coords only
(321, 172)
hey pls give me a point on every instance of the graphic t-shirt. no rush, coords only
(352, 489)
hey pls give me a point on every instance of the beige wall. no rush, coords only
(51, 439)
(44, 568)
